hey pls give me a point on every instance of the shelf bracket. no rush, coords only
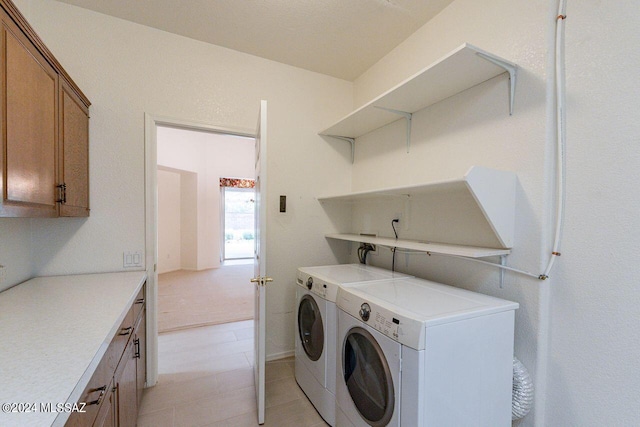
(407, 116)
(352, 141)
(512, 69)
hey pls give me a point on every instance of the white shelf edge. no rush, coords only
(440, 248)
(384, 117)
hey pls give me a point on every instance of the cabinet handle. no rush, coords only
(63, 193)
(125, 331)
(136, 342)
(140, 301)
(102, 391)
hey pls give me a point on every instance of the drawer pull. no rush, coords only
(98, 401)
(126, 331)
(140, 301)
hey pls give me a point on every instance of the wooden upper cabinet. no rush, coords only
(44, 155)
(30, 127)
(74, 153)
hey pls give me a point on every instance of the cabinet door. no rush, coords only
(30, 127)
(141, 354)
(125, 378)
(74, 153)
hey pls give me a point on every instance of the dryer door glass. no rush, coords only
(367, 376)
(310, 327)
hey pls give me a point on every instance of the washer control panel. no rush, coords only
(317, 286)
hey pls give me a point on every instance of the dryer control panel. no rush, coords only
(387, 326)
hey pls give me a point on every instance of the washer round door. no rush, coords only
(367, 377)
(310, 327)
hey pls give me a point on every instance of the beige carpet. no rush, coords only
(188, 299)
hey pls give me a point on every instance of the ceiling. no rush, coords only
(340, 38)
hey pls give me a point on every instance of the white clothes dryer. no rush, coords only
(416, 353)
(315, 346)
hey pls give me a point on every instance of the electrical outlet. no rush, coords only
(132, 259)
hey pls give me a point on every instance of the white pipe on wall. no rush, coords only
(560, 134)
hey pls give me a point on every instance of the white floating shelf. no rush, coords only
(458, 71)
(439, 248)
(494, 192)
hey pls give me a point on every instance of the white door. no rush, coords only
(259, 262)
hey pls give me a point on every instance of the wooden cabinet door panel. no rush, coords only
(30, 124)
(125, 378)
(74, 153)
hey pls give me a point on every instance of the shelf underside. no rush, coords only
(493, 191)
(462, 69)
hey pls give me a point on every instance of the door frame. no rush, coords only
(151, 122)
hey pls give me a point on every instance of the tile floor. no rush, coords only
(205, 378)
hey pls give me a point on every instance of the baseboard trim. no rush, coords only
(278, 356)
(169, 271)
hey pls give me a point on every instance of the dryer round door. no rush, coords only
(367, 377)
(310, 327)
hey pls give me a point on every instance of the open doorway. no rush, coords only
(195, 287)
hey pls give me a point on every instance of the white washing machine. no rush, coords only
(315, 348)
(416, 353)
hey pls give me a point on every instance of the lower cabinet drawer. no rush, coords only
(107, 413)
(119, 342)
(138, 303)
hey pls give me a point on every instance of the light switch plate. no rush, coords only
(3, 274)
(132, 259)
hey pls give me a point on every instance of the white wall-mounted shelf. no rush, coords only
(465, 67)
(494, 192)
(413, 245)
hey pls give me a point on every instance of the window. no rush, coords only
(239, 222)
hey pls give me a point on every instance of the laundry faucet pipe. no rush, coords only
(559, 78)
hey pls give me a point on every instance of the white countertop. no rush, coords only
(53, 333)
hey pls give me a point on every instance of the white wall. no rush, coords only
(595, 298)
(16, 251)
(210, 156)
(188, 220)
(169, 221)
(126, 70)
(577, 332)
